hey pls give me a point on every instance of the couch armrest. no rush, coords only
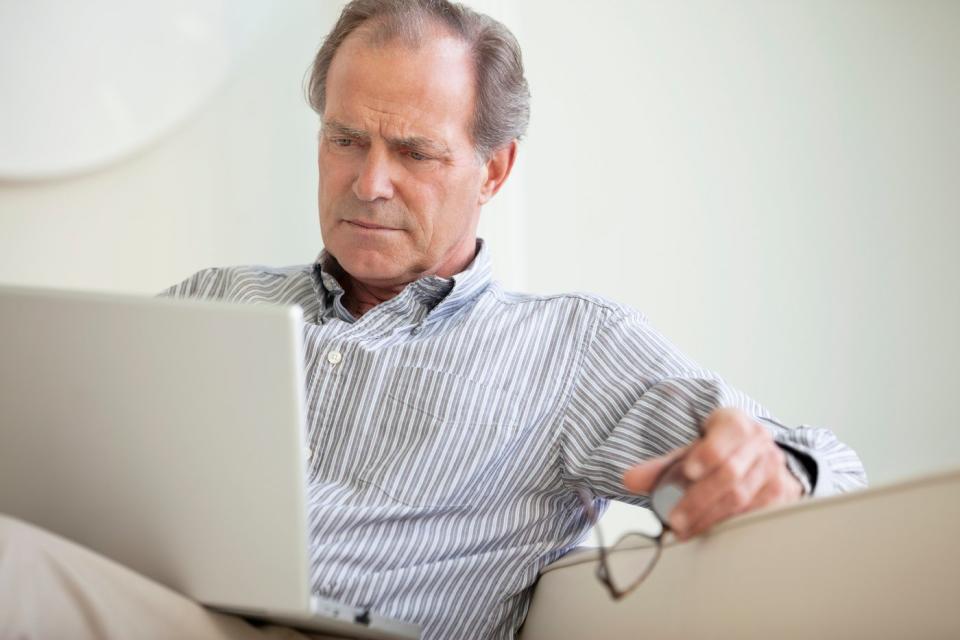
(883, 563)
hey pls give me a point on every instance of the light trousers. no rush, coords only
(53, 588)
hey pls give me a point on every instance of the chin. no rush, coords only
(369, 265)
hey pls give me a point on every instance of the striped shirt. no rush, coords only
(451, 426)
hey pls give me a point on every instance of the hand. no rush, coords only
(733, 468)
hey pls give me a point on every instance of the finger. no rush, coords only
(715, 490)
(724, 431)
(642, 477)
(783, 488)
(737, 499)
(771, 495)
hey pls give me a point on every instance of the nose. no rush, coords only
(374, 180)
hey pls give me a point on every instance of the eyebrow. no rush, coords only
(419, 143)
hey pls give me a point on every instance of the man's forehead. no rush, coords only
(402, 92)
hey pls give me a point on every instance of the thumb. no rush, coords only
(641, 478)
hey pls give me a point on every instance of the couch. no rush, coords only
(879, 563)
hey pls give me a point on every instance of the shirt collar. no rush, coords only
(441, 296)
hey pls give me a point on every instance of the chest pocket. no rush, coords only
(439, 436)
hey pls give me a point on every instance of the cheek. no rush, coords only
(425, 204)
(449, 203)
(333, 168)
(333, 180)
(461, 196)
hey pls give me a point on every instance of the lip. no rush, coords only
(370, 226)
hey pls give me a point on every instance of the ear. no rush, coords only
(498, 168)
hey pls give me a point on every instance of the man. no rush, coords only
(452, 423)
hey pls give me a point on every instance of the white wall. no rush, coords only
(234, 184)
(775, 184)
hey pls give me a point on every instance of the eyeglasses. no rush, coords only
(622, 577)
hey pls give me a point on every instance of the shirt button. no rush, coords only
(334, 357)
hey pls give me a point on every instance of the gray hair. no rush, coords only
(502, 108)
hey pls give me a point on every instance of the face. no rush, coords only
(401, 185)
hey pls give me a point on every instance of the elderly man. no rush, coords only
(452, 423)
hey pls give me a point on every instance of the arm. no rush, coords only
(637, 398)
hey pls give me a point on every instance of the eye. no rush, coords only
(414, 152)
(342, 142)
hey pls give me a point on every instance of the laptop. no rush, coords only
(169, 435)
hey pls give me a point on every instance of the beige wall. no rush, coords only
(775, 184)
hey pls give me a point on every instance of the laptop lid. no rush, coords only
(165, 434)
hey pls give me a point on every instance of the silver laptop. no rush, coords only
(169, 436)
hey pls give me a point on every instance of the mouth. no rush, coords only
(369, 226)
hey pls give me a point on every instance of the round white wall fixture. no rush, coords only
(83, 84)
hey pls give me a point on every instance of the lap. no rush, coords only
(51, 587)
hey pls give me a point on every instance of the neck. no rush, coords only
(360, 297)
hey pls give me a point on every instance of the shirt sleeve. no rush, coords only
(635, 396)
(207, 284)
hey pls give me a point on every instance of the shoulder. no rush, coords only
(577, 316)
(242, 282)
(603, 309)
